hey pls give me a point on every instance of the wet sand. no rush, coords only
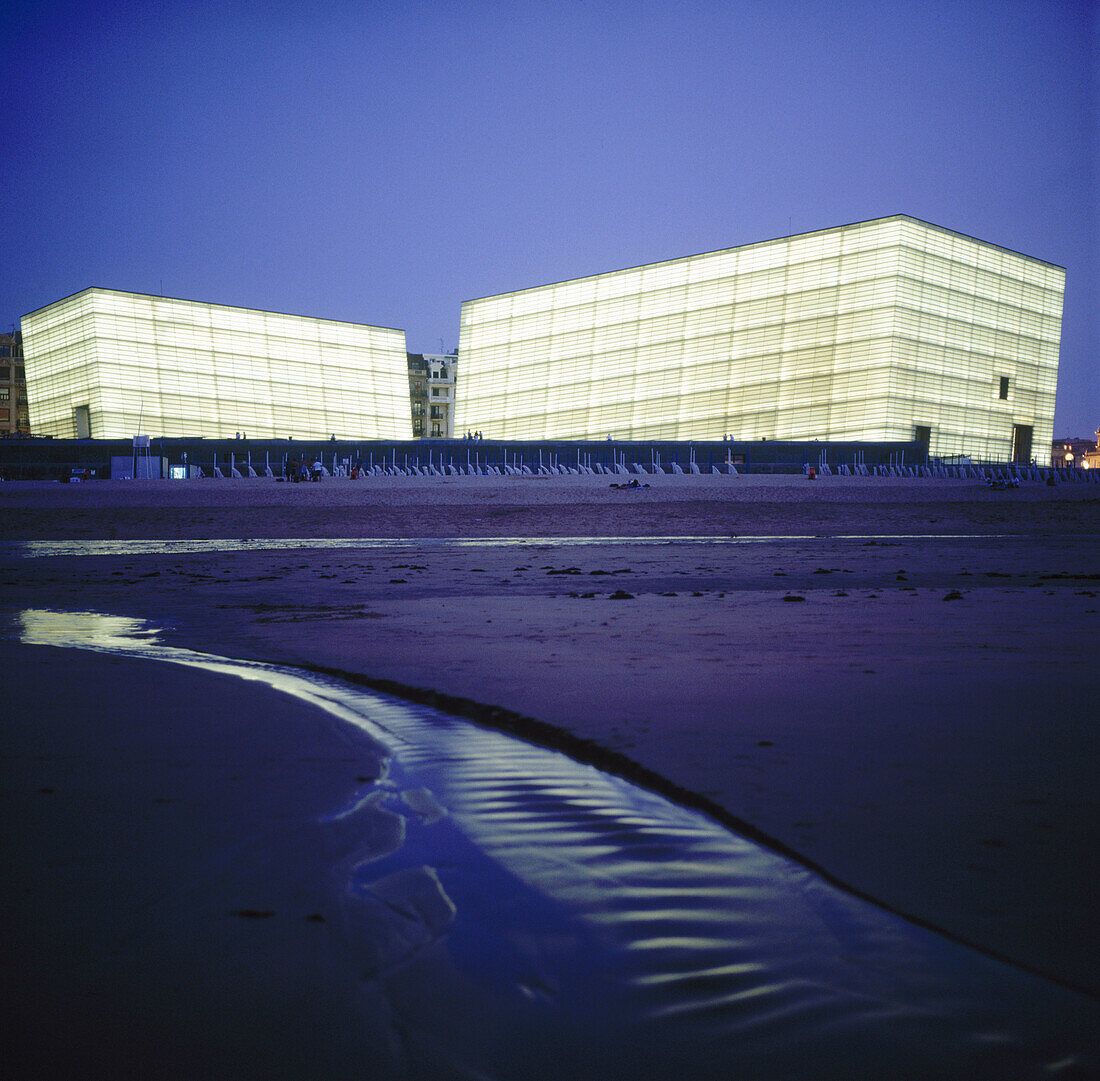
(167, 911)
(205, 888)
(935, 753)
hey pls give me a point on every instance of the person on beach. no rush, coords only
(318, 470)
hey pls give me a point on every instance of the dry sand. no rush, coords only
(936, 754)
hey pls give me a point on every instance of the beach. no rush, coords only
(894, 679)
(165, 908)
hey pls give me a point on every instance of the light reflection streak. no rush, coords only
(619, 908)
(42, 549)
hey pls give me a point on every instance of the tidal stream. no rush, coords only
(525, 916)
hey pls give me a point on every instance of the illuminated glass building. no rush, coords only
(891, 329)
(100, 363)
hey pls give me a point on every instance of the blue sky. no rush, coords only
(381, 162)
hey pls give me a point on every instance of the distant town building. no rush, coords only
(14, 414)
(106, 364)
(1074, 452)
(892, 329)
(432, 394)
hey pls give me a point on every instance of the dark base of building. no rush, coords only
(60, 459)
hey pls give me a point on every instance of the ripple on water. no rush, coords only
(531, 917)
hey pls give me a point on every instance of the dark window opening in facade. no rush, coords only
(19, 374)
(437, 414)
(1003, 392)
(5, 372)
(1021, 442)
(418, 409)
(922, 433)
(436, 430)
(5, 394)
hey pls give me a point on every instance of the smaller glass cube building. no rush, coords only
(108, 365)
(892, 329)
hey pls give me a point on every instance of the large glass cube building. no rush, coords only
(892, 329)
(108, 365)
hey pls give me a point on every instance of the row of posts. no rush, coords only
(550, 463)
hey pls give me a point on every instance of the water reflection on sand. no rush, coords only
(45, 549)
(526, 916)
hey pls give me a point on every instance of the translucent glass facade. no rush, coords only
(891, 329)
(101, 359)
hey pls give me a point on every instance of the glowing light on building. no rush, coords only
(891, 329)
(100, 362)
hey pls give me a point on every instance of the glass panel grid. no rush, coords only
(182, 368)
(860, 332)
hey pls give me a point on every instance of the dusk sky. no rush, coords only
(382, 162)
